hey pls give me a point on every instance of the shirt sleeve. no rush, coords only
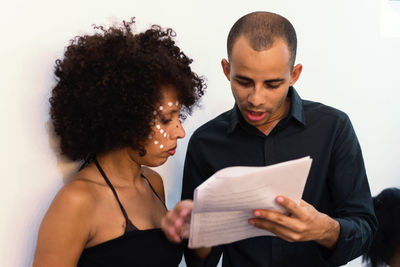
(196, 172)
(353, 207)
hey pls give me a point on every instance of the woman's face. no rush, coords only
(167, 129)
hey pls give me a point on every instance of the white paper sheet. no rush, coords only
(224, 202)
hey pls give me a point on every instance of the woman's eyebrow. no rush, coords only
(169, 112)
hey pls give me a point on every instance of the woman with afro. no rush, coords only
(117, 106)
(385, 248)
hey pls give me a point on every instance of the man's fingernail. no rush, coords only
(279, 199)
(257, 213)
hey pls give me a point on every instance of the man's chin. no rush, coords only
(255, 123)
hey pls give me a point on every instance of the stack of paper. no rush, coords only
(224, 202)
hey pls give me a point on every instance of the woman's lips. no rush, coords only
(172, 151)
(255, 116)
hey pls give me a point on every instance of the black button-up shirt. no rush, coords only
(337, 183)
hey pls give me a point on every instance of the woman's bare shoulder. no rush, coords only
(76, 197)
(67, 224)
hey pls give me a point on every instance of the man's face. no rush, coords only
(260, 80)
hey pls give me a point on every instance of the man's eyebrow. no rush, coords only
(274, 80)
(243, 78)
(266, 81)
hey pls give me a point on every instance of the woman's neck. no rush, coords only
(120, 168)
(395, 260)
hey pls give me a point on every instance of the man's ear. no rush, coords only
(296, 71)
(226, 68)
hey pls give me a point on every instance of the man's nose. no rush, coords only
(256, 97)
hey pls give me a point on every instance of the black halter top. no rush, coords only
(135, 247)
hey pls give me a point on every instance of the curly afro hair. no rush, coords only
(108, 85)
(387, 240)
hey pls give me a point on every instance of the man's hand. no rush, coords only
(176, 223)
(303, 223)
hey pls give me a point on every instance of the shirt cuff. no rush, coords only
(193, 260)
(342, 253)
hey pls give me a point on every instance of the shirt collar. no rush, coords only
(296, 106)
(235, 118)
(296, 112)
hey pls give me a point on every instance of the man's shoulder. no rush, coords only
(219, 124)
(317, 109)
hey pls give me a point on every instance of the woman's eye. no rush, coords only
(165, 121)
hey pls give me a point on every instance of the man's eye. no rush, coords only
(243, 83)
(273, 86)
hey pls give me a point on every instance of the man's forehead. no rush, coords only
(244, 57)
(245, 41)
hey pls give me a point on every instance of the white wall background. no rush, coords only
(350, 50)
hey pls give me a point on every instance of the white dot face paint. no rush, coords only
(160, 131)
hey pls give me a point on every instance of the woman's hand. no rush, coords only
(176, 223)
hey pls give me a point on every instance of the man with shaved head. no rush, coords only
(269, 123)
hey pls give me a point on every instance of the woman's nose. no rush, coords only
(178, 131)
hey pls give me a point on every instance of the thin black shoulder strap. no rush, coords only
(129, 225)
(154, 191)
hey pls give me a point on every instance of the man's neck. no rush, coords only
(278, 116)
